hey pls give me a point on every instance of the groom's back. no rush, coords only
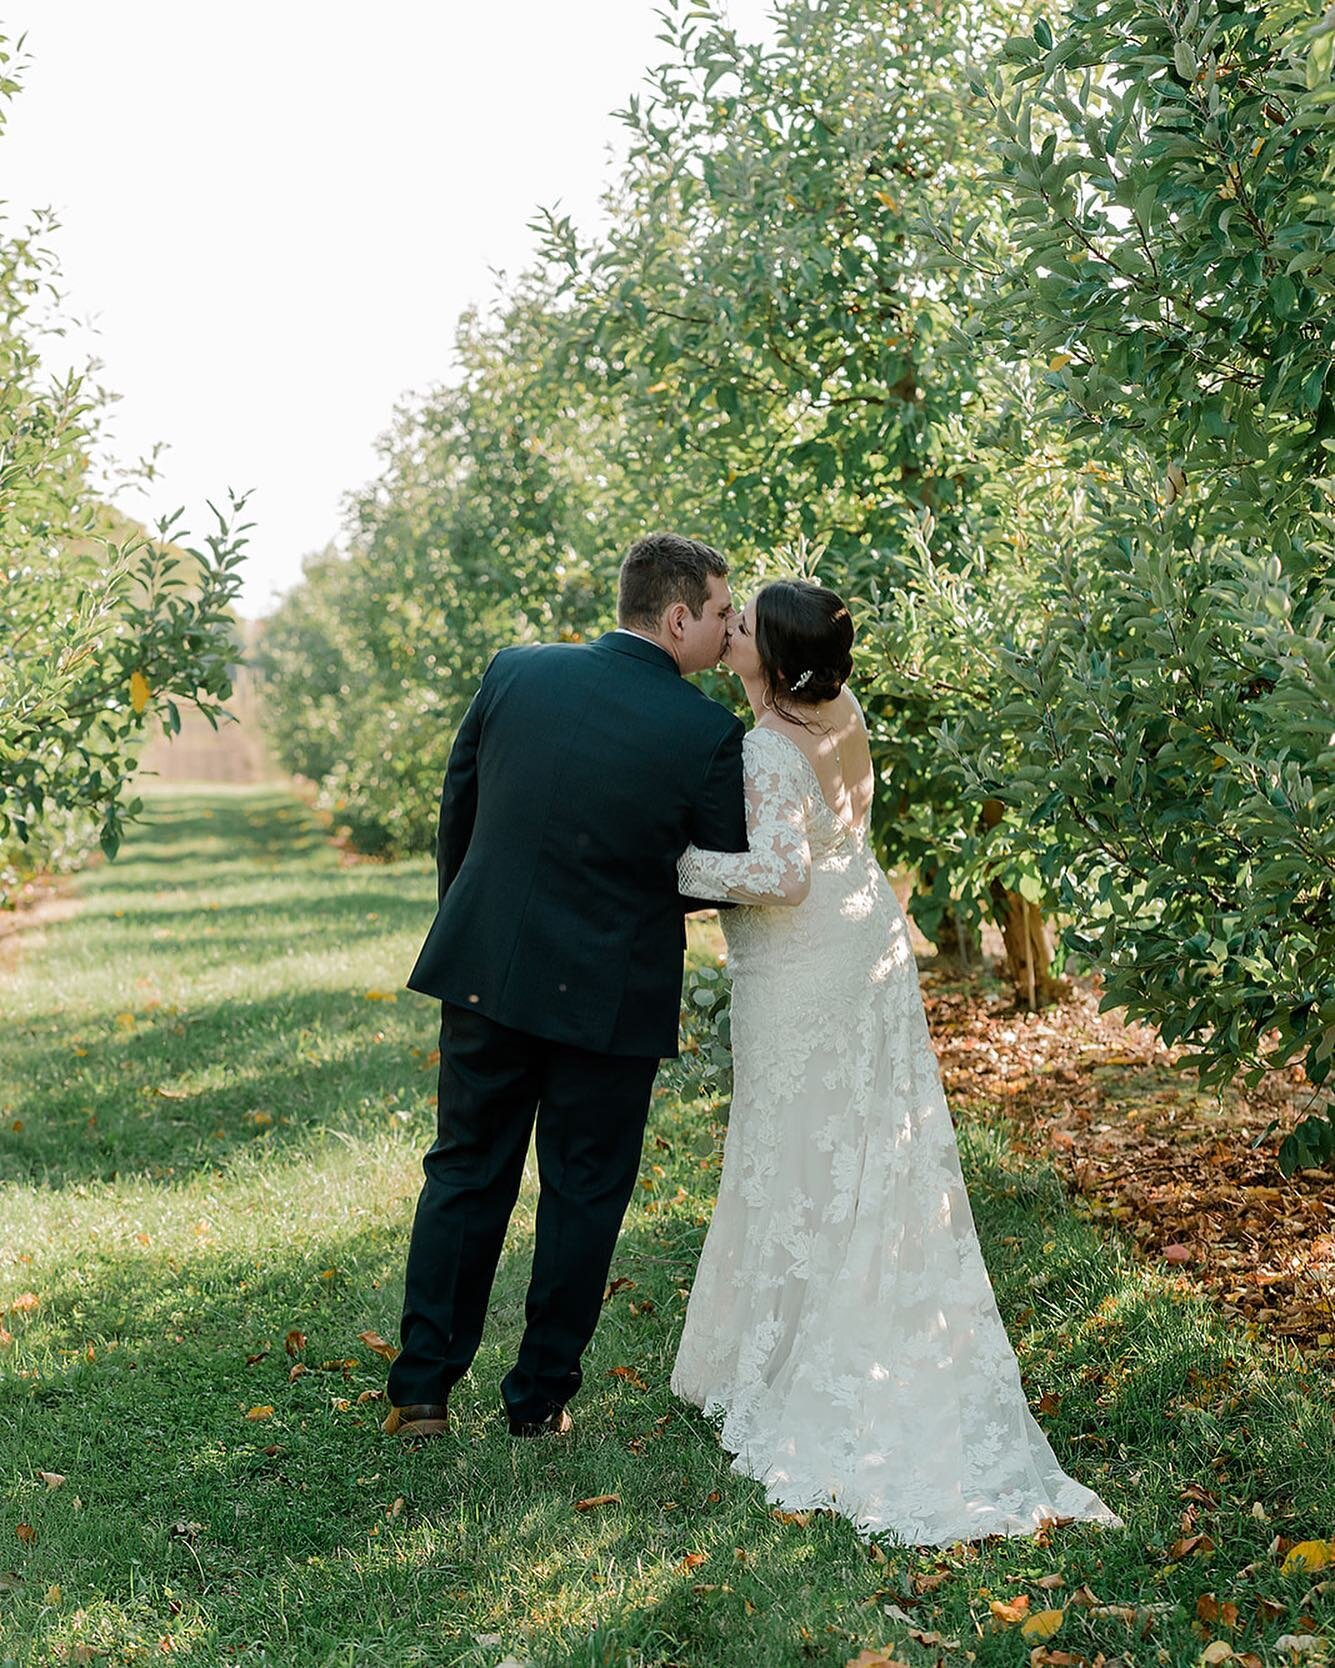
(593, 766)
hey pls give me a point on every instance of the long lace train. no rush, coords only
(842, 1319)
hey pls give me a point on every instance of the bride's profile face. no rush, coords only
(741, 655)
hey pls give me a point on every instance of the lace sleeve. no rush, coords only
(776, 867)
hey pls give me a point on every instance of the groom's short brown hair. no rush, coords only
(663, 568)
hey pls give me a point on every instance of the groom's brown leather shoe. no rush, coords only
(557, 1423)
(417, 1421)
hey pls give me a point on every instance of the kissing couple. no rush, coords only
(841, 1320)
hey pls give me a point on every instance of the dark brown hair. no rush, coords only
(663, 568)
(804, 636)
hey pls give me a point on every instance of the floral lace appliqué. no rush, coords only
(842, 1321)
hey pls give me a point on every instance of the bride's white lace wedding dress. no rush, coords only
(842, 1318)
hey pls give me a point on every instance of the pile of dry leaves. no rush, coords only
(1181, 1169)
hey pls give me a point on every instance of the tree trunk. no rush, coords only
(1028, 952)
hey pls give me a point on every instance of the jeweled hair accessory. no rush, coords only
(801, 680)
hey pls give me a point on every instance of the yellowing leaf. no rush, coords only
(1010, 1611)
(52, 1595)
(890, 201)
(1042, 1624)
(381, 996)
(260, 1413)
(1307, 1555)
(597, 1500)
(139, 691)
(1058, 360)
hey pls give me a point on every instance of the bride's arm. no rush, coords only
(776, 867)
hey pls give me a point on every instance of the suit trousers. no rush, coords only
(590, 1110)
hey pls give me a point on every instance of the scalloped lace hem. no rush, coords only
(871, 1513)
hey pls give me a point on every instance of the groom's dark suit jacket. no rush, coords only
(579, 774)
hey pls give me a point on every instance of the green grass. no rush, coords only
(210, 1136)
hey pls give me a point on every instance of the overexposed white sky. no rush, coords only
(274, 211)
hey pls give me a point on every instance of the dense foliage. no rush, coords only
(1167, 730)
(99, 629)
(1026, 340)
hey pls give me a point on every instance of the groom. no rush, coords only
(579, 775)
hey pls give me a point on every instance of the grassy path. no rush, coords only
(210, 1139)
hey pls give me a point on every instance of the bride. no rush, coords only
(842, 1319)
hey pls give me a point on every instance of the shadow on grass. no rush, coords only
(478, 1533)
(311, 1061)
(306, 1535)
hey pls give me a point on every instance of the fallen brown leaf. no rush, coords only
(629, 1374)
(1189, 1544)
(934, 1639)
(1209, 1609)
(1010, 1611)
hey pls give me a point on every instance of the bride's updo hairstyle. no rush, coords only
(804, 639)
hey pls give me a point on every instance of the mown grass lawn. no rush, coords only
(210, 1138)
